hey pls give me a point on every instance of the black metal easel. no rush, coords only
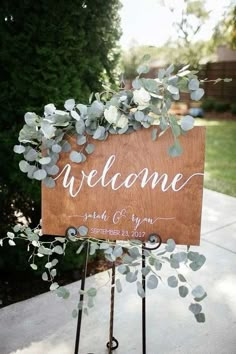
(113, 342)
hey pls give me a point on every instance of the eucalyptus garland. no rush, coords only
(129, 255)
(41, 141)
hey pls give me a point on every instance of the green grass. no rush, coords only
(220, 166)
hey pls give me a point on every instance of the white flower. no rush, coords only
(122, 122)
(141, 97)
(49, 109)
(111, 114)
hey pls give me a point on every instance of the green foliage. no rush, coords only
(221, 107)
(220, 168)
(49, 51)
(225, 30)
(46, 254)
(208, 104)
(122, 112)
(233, 108)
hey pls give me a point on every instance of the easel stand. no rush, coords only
(113, 342)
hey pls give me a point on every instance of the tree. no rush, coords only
(50, 51)
(225, 30)
(193, 16)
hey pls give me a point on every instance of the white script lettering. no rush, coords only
(117, 181)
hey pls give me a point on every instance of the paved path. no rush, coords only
(43, 325)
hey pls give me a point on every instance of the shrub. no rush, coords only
(233, 108)
(208, 104)
(222, 107)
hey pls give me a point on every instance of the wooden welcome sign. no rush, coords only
(130, 187)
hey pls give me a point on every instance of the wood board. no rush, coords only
(130, 187)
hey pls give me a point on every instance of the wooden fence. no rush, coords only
(224, 92)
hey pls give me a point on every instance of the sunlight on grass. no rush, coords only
(220, 166)
(206, 123)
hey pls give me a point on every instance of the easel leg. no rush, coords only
(80, 313)
(112, 339)
(144, 303)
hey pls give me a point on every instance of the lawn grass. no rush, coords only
(220, 166)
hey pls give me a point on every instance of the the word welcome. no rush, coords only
(117, 181)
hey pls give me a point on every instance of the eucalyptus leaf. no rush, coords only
(19, 149)
(172, 281)
(146, 270)
(45, 160)
(52, 170)
(76, 157)
(176, 149)
(75, 115)
(193, 84)
(99, 133)
(48, 129)
(93, 247)
(10, 235)
(74, 313)
(200, 317)
(182, 278)
(31, 155)
(154, 134)
(104, 246)
(180, 256)
(170, 245)
(183, 291)
(49, 182)
(62, 292)
(118, 286)
(140, 290)
(53, 272)
(197, 95)
(123, 269)
(90, 148)
(69, 104)
(44, 250)
(45, 276)
(158, 265)
(33, 266)
(90, 302)
(173, 89)
(198, 292)
(143, 69)
(195, 308)
(79, 250)
(81, 140)
(174, 263)
(134, 252)
(11, 242)
(66, 147)
(56, 148)
(139, 116)
(187, 123)
(30, 119)
(54, 262)
(48, 265)
(58, 249)
(131, 277)
(92, 292)
(152, 281)
(118, 251)
(136, 84)
(161, 74)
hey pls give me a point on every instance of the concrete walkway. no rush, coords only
(43, 325)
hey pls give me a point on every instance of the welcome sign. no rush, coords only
(130, 187)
